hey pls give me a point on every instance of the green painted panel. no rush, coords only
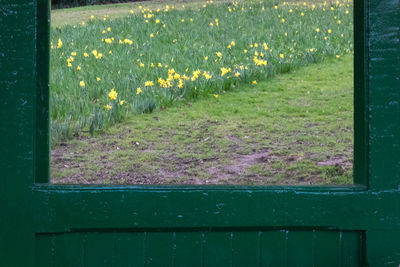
(384, 94)
(44, 250)
(159, 248)
(129, 249)
(69, 250)
(99, 249)
(352, 248)
(300, 249)
(246, 248)
(327, 248)
(274, 248)
(383, 247)
(126, 208)
(188, 248)
(202, 248)
(217, 248)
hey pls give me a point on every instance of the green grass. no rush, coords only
(295, 128)
(183, 45)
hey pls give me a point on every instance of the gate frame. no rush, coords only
(30, 206)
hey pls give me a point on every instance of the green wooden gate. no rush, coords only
(47, 225)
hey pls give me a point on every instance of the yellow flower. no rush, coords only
(69, 64)
(108, 41)
(182, 20)
(219, 54)
(276, 7)
(206, 58)
(110, 52)
(216, 96)
(103, 31)
(283, 20)
(317, 29)
(131, 11)
(141, 65)
(254, 82)
(91, 17)
(302, 14)
(237, 74)
(337, 56)
(108, 29)
(82, 83)
(73, 54)
(83, 23)
(138, 91)
(108, 107)
(245, 51)
(311, 49)
(329, 31)
(157, 21)
(113, 94)
(78, 68)
(207, 75)
(151, 35)
(148, 83)
(85, 54)
(121, 102)
(339, 21)
(59, 43)
(281, 55)
(225, 71)
(233, 43)
(97, 79)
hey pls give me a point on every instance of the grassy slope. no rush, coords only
(71, 16)
(293, 129)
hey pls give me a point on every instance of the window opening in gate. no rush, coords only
(210, 92)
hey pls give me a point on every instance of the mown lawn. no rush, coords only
(105, 70)
(295, 128)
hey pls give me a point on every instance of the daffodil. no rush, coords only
(112, 94)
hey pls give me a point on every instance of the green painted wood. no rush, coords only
(352, 249)
(384, 94)
(287, 226)
(327, 248)
(299, 248)
(188, 249)
(69, 250)
(274, 248)
(129, 249)
(217, 248)
(44, 250)
(42, 144)
(99, 249)
(246, 249)
(383, 247)
(17, 128)
(159, 249)
(361, 93)
(125, 208)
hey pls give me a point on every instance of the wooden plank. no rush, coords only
(300, 248)
(217, 248)
(159, 249)
(133, 208)
(274, 248)
(352, 248)
(383, 247)
(246, 248)
(327, 248)
(44, 250)
(69, 249)
(99, 249)
(384, 94)
(188, 249)
(129, 249)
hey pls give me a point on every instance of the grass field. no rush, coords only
(105, 70)
(296, 128)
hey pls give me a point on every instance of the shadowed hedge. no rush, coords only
(58, 4)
